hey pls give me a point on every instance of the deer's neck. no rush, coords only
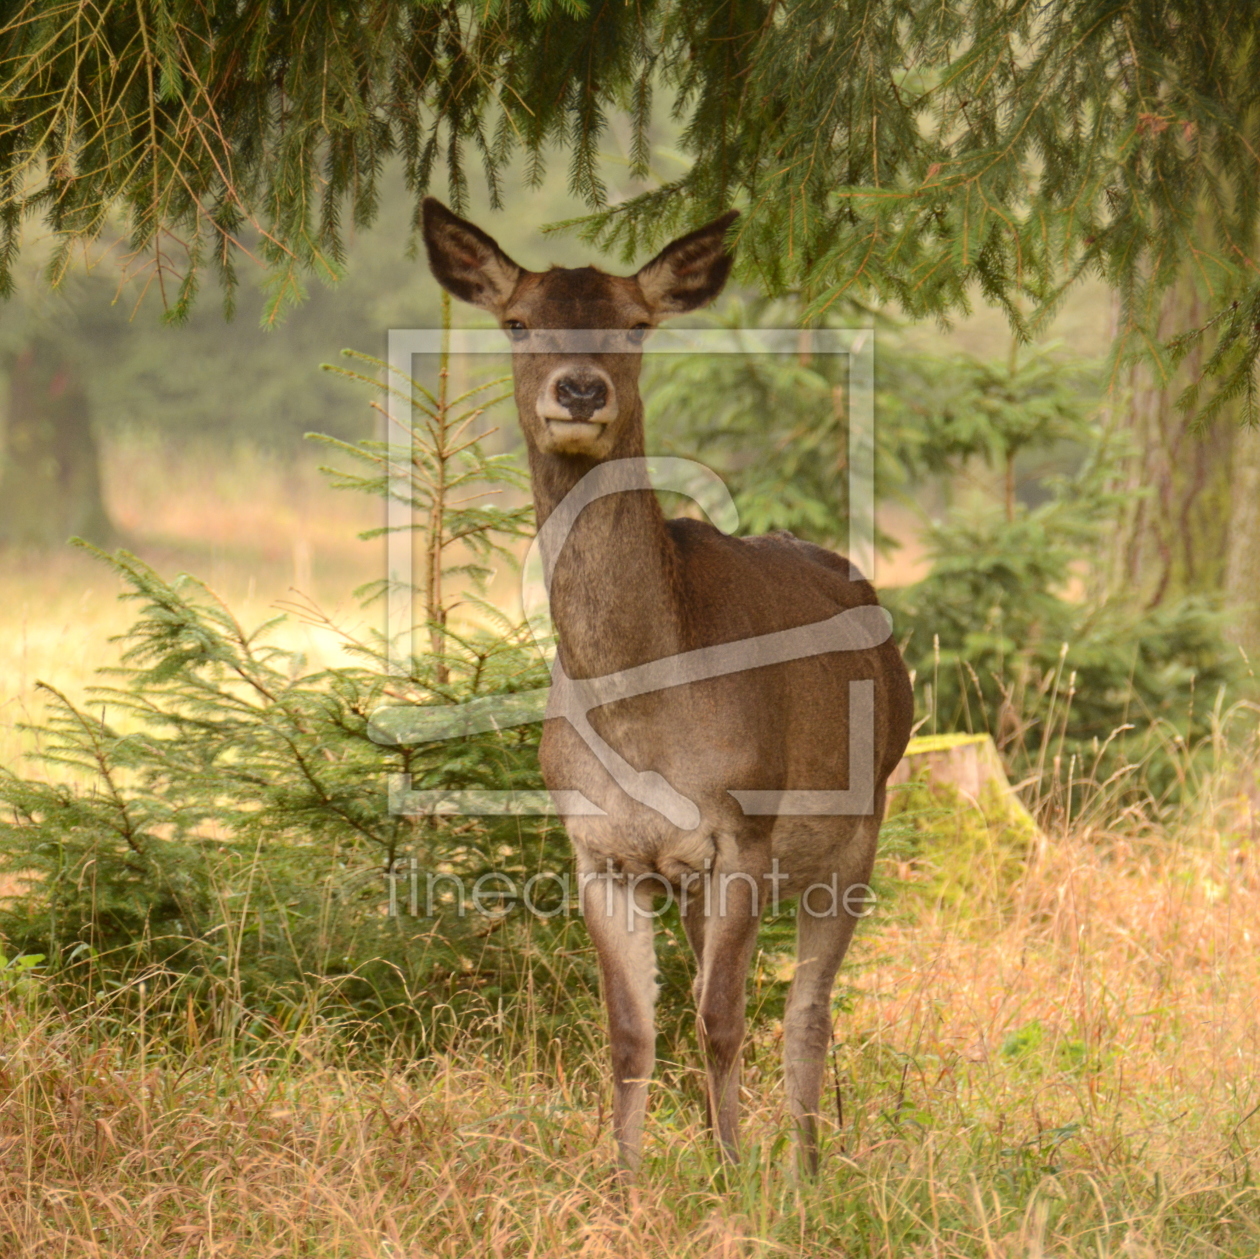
(614, 597)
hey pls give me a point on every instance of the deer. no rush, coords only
(632, 591)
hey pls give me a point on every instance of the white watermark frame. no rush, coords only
(856, 629)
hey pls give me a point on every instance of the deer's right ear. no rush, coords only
(465, 261)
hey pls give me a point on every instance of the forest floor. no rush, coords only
(1063, 1065)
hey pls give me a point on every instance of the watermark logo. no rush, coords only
(641, 897)
(856, 629)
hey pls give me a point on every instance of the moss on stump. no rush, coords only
(955, 828)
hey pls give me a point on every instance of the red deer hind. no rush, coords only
(724, 756)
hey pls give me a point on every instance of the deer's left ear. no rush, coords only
(465, 261)
(690, 272)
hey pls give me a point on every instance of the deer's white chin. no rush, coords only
(572, 437)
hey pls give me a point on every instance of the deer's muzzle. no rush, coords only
(576, 404)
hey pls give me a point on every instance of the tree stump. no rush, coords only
(968, 762)
(956, 828)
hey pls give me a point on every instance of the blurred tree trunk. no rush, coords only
(1175, 525)
(1242, 572)
(50, 483)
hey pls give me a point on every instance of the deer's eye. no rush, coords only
(638, 332)
(516, 330)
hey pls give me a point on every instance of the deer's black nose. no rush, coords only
(581, 396)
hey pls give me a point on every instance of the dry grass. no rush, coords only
(1065, 1067)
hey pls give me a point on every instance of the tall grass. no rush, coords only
(1061, 1066)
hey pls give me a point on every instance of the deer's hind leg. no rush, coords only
(619, 918)
(728, 936)
(824, 928)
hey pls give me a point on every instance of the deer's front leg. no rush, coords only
(619, 917)
(730, 935)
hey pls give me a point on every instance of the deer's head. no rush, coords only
(576, 396)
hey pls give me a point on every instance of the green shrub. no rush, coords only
(216, 818)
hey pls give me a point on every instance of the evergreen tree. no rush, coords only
(217, 813)
(901, 149)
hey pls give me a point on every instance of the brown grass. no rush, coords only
(1062, 1067)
